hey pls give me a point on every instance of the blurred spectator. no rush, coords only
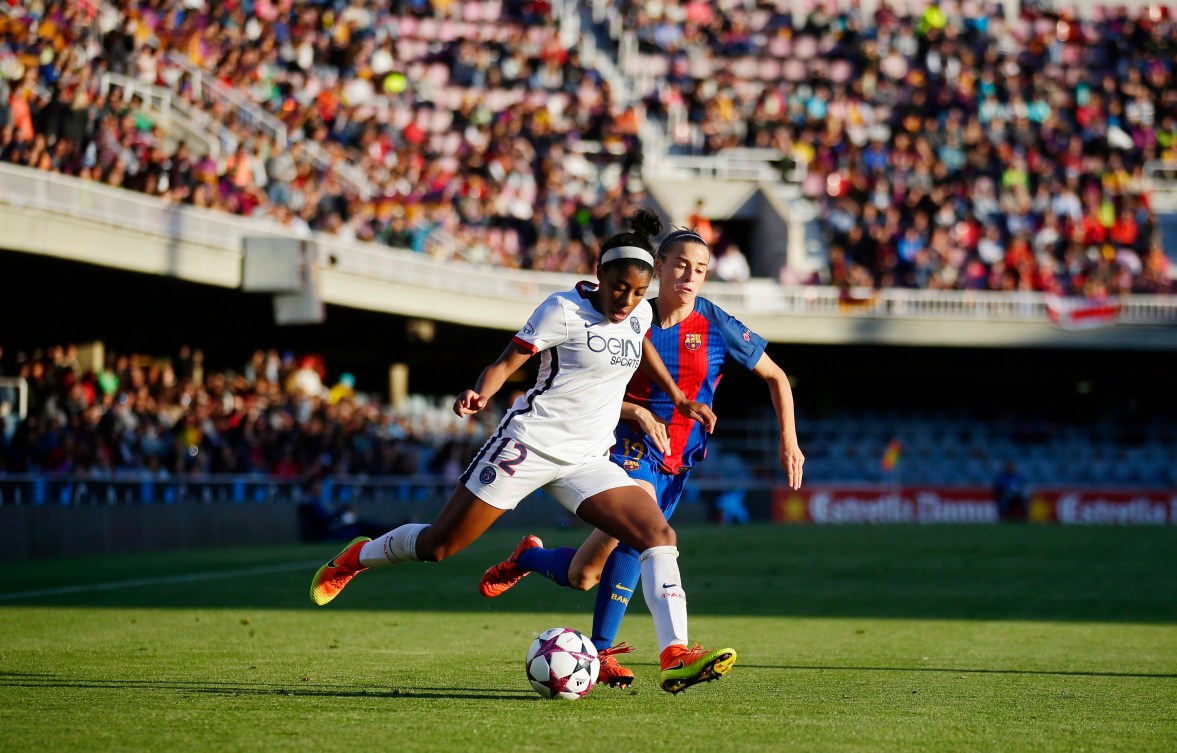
(731, 265)
(731, 509)
(947, 147)
(972, 152)
(701, 224)
(478, 137)
(138, 415)
(1009, 493)
(320, 520)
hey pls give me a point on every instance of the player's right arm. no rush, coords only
(491, 380)
(547, 328)
(792, 460)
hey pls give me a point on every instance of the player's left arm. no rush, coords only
(782, 402)
(653, 367)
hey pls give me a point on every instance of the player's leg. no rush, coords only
(578, 568)
(477, 503)
(620, 573)
(463, 519)
(601, 557)
(565, 566)
(586, 567)
(619, 579)
(632, 516)
(617, 566)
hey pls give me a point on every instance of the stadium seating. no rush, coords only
(380, 125)
(921, 128)
(946, 146)
(959, 450)
(148, 417)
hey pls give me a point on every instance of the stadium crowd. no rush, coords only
(468, 124)
(136, 415)
(141, 417)
(948, 148)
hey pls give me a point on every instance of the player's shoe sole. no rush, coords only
(500, 578)
(334, 575)
(704, 666)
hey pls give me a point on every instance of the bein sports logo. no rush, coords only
(626, 353)
(616, 346)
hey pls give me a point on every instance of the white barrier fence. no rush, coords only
(71, 197)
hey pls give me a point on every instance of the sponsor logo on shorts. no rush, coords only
(630, 464)
(693, 340)
(633, 322)
(488, 475)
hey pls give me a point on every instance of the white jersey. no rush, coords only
(586, 362)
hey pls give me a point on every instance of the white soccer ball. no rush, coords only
(562, 663)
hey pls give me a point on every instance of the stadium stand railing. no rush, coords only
(207, 88)
(201, 132)
(51, 192)
(36, 489)
(736, 164)
(32, 189)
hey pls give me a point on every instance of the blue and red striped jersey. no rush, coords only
(695, 352)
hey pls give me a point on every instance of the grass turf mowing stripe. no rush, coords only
(160, 581)
(851, 640)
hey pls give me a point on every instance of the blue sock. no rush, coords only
(553, 564)
(618, 581)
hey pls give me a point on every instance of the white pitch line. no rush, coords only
(187, 578)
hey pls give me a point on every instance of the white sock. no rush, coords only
(662, 587)
(397, 546)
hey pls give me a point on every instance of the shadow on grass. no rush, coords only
(950, 670)
(939, 670)
(1096, 574)
(33, 682)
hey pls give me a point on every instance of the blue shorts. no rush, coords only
(667, 486)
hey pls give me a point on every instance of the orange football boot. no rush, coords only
(499, 579)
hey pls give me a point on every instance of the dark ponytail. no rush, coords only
(645, 224)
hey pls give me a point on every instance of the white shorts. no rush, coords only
(503, 474)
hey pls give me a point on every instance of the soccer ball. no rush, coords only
(562, 663)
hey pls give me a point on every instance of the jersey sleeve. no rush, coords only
(546, 328)
(743, 345)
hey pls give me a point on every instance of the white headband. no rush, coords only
(628, 252)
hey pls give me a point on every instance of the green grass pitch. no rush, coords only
(884, 638)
